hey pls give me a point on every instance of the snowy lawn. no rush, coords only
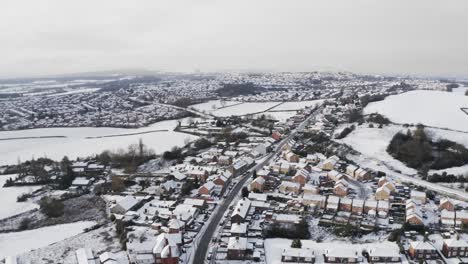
(431, 108)
(8, 197)
(18, 242)
(373, 142)
(76, 141)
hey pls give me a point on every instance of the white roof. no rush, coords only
(194, 202)
(127, 203)
(258, 196)
(237, 243)
(239, 228)
(85, 256)
(454, 242)
(81, 181)
(387, 250)
(298, 252)
(421, 245)
(418, 194)
(259, 180)
(242, 208)
(341, 251)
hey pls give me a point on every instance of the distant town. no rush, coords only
(274, 168)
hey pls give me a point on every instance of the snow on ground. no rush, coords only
(377, 165)
(462, 170)
(76, 144)
(297, 105)
(373, 142)
(431, 108)
(274, 248)
(212, 105)
(456, 136)
(99, 240)
(245, 109)
(8, 197)
(19, 242)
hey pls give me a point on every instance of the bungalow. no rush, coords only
(126, 204)
(385, 254)
(422, 250)
(341, 254)
(298, 255)
(455, 247)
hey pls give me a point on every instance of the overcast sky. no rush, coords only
(379, 36)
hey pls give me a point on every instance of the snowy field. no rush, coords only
(99, 240)
(431, 108)
(274, 248)
(287, 106)
(75, 142)
(373, 142)
(455, 136)
(8, 197)
(212, 105)
(19, 242)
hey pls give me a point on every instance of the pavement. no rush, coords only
(205, 239)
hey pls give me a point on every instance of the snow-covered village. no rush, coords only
(233, 132)
(270, 168)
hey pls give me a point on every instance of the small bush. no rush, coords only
(51, 207)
